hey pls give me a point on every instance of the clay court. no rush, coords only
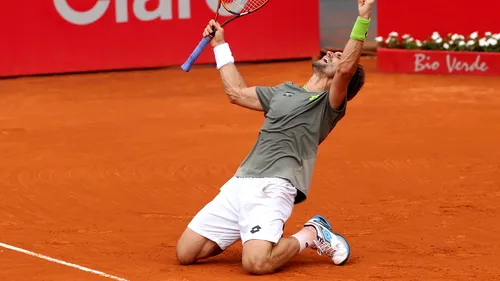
(105, 171)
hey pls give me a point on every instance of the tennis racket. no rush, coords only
(238, 8)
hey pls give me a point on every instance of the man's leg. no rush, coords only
(261, 221)
(212, 230)
(267, 205)
(262, 257)
(192, 247)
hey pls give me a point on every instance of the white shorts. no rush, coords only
(246, 208)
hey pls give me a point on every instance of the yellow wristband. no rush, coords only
(360, 29)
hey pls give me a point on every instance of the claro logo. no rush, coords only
(163, 11)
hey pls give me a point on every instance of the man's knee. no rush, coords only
(184, 258)
(185, 254)
(258, 265)
(257, 257)
(192, 247)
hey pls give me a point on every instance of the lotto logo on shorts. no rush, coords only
(255, 229)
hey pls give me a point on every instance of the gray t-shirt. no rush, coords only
(296, 123)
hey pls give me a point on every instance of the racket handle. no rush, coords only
(196, 53)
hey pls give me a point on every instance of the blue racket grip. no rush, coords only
(196, 53)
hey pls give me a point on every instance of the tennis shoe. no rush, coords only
(328, 242)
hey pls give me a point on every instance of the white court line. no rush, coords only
(61, 262)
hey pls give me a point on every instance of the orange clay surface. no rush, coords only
(106, 170)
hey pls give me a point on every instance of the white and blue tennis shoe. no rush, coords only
(328, 242)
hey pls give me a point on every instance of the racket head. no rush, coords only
(242, 7)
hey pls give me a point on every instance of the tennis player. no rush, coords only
(257, 201)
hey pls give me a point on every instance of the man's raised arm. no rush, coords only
(235, 87)
(350, 56)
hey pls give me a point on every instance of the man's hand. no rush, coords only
(218, 38)
(365, 8)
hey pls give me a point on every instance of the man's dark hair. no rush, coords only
(356, 83)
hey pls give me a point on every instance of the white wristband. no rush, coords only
(223, 55)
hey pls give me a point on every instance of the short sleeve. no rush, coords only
(333, 115)
(265, 94)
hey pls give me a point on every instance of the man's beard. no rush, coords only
(319, 67)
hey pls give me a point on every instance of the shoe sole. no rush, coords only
(344, 241)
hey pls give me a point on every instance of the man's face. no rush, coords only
(327, 65)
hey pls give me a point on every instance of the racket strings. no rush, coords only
(243, 6)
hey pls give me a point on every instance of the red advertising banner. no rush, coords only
(421, 18)
(438, 62)
(55, 36)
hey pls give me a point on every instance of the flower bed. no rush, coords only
(452, 54)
